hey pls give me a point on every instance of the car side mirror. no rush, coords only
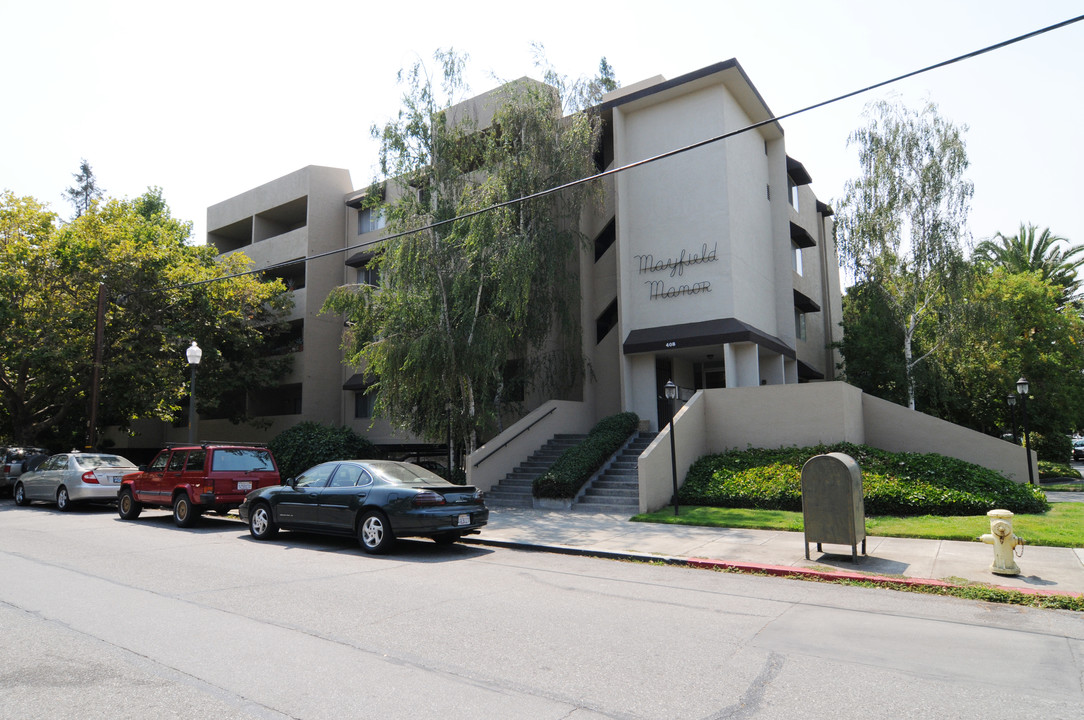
(142, 468)
(292, 482)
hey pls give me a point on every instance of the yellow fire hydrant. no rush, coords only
(1004, 541)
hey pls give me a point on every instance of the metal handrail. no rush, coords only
(509, 440)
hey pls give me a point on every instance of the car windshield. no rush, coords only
(406, 474)
(243, 459)
(87, 462)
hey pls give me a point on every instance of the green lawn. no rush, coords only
(1062, 526)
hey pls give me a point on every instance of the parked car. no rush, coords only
(1078, 449)
(14, 461)
(375, 500)
(194, 479)
(73, 477)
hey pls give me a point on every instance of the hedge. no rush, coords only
(308, 443)
(576, 465)
(898, 484)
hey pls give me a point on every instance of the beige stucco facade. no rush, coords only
(714, 267)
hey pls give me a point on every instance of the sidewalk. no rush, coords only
(1043, 569)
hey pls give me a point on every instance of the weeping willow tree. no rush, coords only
(473, 303)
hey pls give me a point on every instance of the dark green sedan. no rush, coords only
(376, 500)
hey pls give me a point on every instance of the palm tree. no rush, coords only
(1024, 252)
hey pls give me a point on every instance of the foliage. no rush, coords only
(901, 224)
(308, 443)
(1018, 327)
(893, 483)
(459, 299)
(1050, 469)
(85, 192)
(1026, 253)
(872, 345)
(1051, 447)
(576, 465)
(157, 301)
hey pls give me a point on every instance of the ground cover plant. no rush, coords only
(895, 484)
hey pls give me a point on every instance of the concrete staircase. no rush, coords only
(616, 489)
(514, 490)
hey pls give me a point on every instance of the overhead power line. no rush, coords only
(656, 158)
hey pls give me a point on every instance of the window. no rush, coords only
(176, 463)
(368, 275)
(241, 460)
(606, 322)
(370, 219)
(346, 476)
(363, 404)
(792, 192)
(799, 324)
(797, 258)
(316, 477)
(159, 462)
(195, 461)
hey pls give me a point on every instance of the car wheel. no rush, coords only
(63, 502)
(260, 523)
(374, 533)
(447, 538)
(20, 495)
(184, 515)
(127, 506)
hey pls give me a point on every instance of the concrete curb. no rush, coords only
(747, 567)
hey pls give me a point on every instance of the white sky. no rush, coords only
(209, 99)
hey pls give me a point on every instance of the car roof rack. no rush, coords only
(215, 443)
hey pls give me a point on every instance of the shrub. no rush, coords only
(1055, 447)
(576, 465)
(892, 483)
(308, 443)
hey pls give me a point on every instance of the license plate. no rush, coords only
(244, 485)
(463, 520)
(114, 478)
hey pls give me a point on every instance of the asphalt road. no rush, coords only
(102, 618)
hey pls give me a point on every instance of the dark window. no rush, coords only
(176, 463)
(196, 459)
(605, 239)
(606, 321)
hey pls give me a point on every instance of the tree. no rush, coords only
(458, 301)
(155, 308)
(1020, 327)
(1024, 252)
(901, 224)
(85, 192)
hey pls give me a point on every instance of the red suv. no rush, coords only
(194, 479)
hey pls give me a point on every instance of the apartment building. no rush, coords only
(714, 267)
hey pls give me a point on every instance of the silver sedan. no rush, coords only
(74, 477)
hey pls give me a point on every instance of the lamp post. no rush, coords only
(1022, 390)
(1011, 399)
(193, 354)
(671, 392)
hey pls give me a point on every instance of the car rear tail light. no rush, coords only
(90, 478)
(7, 469)
(427, 498)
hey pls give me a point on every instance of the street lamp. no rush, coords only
(671, 392)
(1011, 399)
(1022, 390)
(193, 354)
